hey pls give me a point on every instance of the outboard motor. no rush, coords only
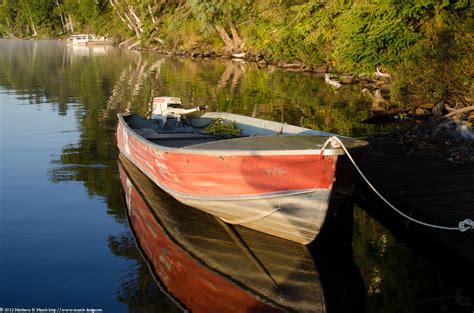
(170, 107)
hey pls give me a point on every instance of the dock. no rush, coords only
(428, 188)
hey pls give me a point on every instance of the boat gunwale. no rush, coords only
(329, 151)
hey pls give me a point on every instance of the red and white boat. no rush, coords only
(272, 177)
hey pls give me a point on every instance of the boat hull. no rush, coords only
(282, 194)
(296, 217)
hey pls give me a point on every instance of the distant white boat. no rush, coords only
(89, 39)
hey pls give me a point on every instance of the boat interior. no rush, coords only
(254, 134)
(173, 133)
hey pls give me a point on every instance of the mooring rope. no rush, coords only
(463, 225)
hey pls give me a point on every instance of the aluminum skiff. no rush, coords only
(274, 178)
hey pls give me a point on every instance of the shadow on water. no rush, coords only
(207, 265)
(404, 266)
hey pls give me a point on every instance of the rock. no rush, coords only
(346, 79)
(385, 89)
(369, 87)
(207, 54)
(336, 84)
(426, 106)
(420, 112)
(438, 108)
(323, 68)
(382, 75)
(470, 117)
(289, 65)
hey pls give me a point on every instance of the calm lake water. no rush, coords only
(65, 237)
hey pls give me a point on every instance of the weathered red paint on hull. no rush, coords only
(201, 175)
(196, 286)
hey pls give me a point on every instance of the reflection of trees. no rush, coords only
(295, 98)
(233, 72)
(132, 86)
(35, 71)
(105, 89)
(139, 291)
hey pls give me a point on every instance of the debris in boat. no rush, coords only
(380, 74)
(220, 127)
(332, 82)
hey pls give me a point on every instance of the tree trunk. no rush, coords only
(126, 19)
(235, 36)
(71, 25)
(151, 14)
(460, 111)
(229, 44)
(138, 22)
(10, 30)
(61, 15)
(33, 25)
(120, 15)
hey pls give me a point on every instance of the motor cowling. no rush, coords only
(170, 107)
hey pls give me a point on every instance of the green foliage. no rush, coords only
(439, 66)
(7, 17)
(426, 45)
(315, 26)
(222, 12)
(369, 35)
(47, 18)
(25, 18)
(182, 33)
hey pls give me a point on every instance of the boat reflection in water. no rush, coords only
(210, 266)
